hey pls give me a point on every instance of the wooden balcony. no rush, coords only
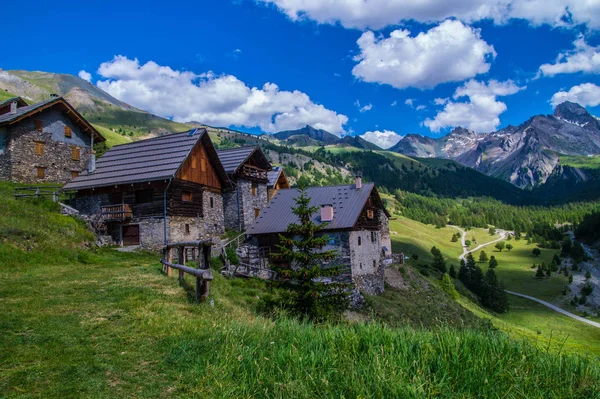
(253, 173)
(116, 213)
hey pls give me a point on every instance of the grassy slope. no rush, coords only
(580, 161)
(111, 137)
(5, 95)
(80, 322)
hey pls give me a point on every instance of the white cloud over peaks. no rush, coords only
(221, 100)
(449, 52)
(384, 139)
(583, 58)
(482, 110)
(376, 14)
(586, 95)
(85, 75)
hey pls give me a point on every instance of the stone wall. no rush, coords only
(386, 240)
(4, 154)
(240, 204)
(367, 261)
(57, 158)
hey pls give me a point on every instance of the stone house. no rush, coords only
(357, 225)
(45, 142)
(277, 181)
(247, 168)
(155, 191)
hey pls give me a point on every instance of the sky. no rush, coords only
(377, 68)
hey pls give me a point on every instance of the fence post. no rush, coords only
(55, 195)
(170, 260)
(181, 260)
(37, 192)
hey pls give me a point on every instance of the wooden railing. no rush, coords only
(38, 192)
(252, 172)
(118, 212)
(203, 273)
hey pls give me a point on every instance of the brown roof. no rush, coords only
(26, 112)
(347, 201)
(148, 160)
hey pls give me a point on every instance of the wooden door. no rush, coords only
(131, 235)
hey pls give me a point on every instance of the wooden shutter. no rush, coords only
(194, 161)
(253, 189)
(41, 172)
(186, 196)
(39, 148)
(256, 212)
(75, 154)
(203, 164)
(38, 124)
(68, 132)
(74, 174)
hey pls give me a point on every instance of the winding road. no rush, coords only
(503, 235)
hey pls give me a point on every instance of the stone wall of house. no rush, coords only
(384, 232)
(367, 261)
(57, 159)
(240, 204)
(152, 232)
(4, 154)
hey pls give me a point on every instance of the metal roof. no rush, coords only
(24, 112)
(233, 158)
(146, 160)
(347, 203)
(273, 175)
(19, 100)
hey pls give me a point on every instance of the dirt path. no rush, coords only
(466, 250)
(557, 309)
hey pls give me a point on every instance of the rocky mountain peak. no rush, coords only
(574, 113)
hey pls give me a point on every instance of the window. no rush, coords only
(37, 123)
(41, 172)
(186, 196)
(373, 236)
(74, 174)
(360, 265)
(254, 188)
(68, 132)
(187, 229)
(194, 161)
(212, 202)
(374, 264)
(203, 164)
(359, 240)
(256, 212)
(39, 148)
(75, 154)
(143, 196)
(370, 214)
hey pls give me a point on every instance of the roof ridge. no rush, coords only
(162, 136)
(238, 148)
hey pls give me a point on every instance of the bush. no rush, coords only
(536, 252)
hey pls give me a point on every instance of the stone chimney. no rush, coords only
(326, 213)
(358, 182)
(92, 162)
(13, 107)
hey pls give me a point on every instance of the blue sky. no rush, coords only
(353, 68)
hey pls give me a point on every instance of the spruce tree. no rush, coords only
(540, 273)
(452, 271)
(493, 296)
(305, 293)
(448, 286)
(536, 252)
(438, 260)
(493, 262)
(483, 257)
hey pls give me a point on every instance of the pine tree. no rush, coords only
(494, 296)
(305, 294)
(493, 262)
(492, 231)
(483, 257)
(452, 271)
(539, 273)
(448, 286)
(438, 260)
(536, 252)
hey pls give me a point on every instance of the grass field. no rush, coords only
(481, 236)
(5, 95)
(111, 137)
(580, 161)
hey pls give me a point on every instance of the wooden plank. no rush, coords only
(205, 274)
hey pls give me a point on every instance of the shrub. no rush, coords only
(536, 252)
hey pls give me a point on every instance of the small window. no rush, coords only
(37, 123)
(359, 241)
(74, 174)
(75, 154)
(370, 214)
(374, 264)
(39, 148)
(360, 265)
(143, 196)
(254, 189)
(212, 202)
(68, 132)
(186, 196)
(187, 229)
(41, 172)
(256, 212)
(373, 236)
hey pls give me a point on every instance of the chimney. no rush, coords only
(326, 213)
(92, 162)
(358, 182)
(13, 107)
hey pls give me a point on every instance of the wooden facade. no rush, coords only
(197, 168)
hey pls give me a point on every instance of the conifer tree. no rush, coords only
(493, 296)
(305, 293)
(438, 260)
(452, 271)
(493, 262)
(540, 273)
(536, 252)
(483, 257)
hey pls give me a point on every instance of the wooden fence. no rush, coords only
(203, 273)
(38, 192)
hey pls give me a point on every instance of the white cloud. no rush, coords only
(85, 75)
(586, 95)
(482, 110)
(376, 14)
(409, 102)
(394, 103)
(420, 107)
(583, 58)
(449, 52)
(366, 108)
(440, 101)
(221, 100)
(384, 139)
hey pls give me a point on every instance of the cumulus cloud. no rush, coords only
(384, 139)
(586, 95)
(85, 75)
(420, 107)
(583, 58)
(409, 102)
(376, 14)
(221, 100)
(440, 101)
(449, 52)
(482, 110)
